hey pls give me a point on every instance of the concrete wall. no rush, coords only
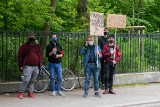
(130, 78)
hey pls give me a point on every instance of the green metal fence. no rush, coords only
(140, 53)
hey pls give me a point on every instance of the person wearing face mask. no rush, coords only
(103, 40)
(91, 65)
(112, 55)
(54, 53)
(29, 60)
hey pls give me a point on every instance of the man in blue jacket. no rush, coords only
(92, 54)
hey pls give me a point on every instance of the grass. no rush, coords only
(136, 84)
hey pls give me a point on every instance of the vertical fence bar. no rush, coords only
(2, 73)
(140, 53)
(6, 39)
(158, 52)
(130, 49)
(150, 68)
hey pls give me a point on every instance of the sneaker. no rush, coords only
(61, 94)
(111, 91)
(53, 93)
(20, 95)
(31, 95)
(97, 94)
(105, 92)
(85, 95)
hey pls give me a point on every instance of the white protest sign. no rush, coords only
(96, 24)
(116, 21)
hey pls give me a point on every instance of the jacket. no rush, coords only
(86, 50)
(24, 51)
(52, 58)
(102, 41)
(107, 54)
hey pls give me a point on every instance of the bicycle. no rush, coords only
(43, 80)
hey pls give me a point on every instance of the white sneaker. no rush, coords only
(53, 93)
(61, 94)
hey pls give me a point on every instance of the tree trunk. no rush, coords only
(47, 25)
(82, 7)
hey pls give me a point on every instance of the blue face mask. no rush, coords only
(54, 40)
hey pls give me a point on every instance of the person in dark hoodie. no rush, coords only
(103, 40)
(54, 53)
(29, 60)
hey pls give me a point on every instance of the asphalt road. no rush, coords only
(126, 96)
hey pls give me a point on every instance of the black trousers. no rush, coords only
(108, 75)
(101, 77)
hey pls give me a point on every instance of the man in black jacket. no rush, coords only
(103, 40)
(54, 53)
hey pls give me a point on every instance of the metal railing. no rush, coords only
(140, 53)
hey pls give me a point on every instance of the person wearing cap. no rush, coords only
(54, 53)
(91, 65)
(112, 55)
(29, 60)
(103, 40)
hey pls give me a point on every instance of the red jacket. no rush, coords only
(23, 52)
(107, 54)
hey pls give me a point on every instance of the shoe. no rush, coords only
(105, 92)
(61, 94)
(20, 95)
(53, 93)
(111, 92)
(85, 95)
(31, 95)
(97, 94)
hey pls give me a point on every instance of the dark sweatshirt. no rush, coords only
(53, 58)
(29, 55)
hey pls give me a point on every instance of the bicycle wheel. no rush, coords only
(81, 79)
(68, 80)
(42, 81)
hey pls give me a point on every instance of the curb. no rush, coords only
(130, 78)
(135, 104)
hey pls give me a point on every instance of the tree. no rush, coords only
(48, 24)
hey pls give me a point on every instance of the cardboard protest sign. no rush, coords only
(96, 24)
(116, 21)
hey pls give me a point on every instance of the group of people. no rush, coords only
(104, 56)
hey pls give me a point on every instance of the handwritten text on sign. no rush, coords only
(116, 21)
(96, 24)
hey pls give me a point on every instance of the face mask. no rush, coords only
(105, 33)
(54, 40)
(111, 41)
(90, 43)
(31, 40)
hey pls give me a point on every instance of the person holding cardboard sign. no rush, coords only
(91, 65)
(111, 53)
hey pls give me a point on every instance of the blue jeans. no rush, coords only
(55, 68)
(91, 68)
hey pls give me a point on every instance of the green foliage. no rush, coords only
(32, 14)
(139, 54)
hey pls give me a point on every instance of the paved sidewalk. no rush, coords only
(127, 96)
